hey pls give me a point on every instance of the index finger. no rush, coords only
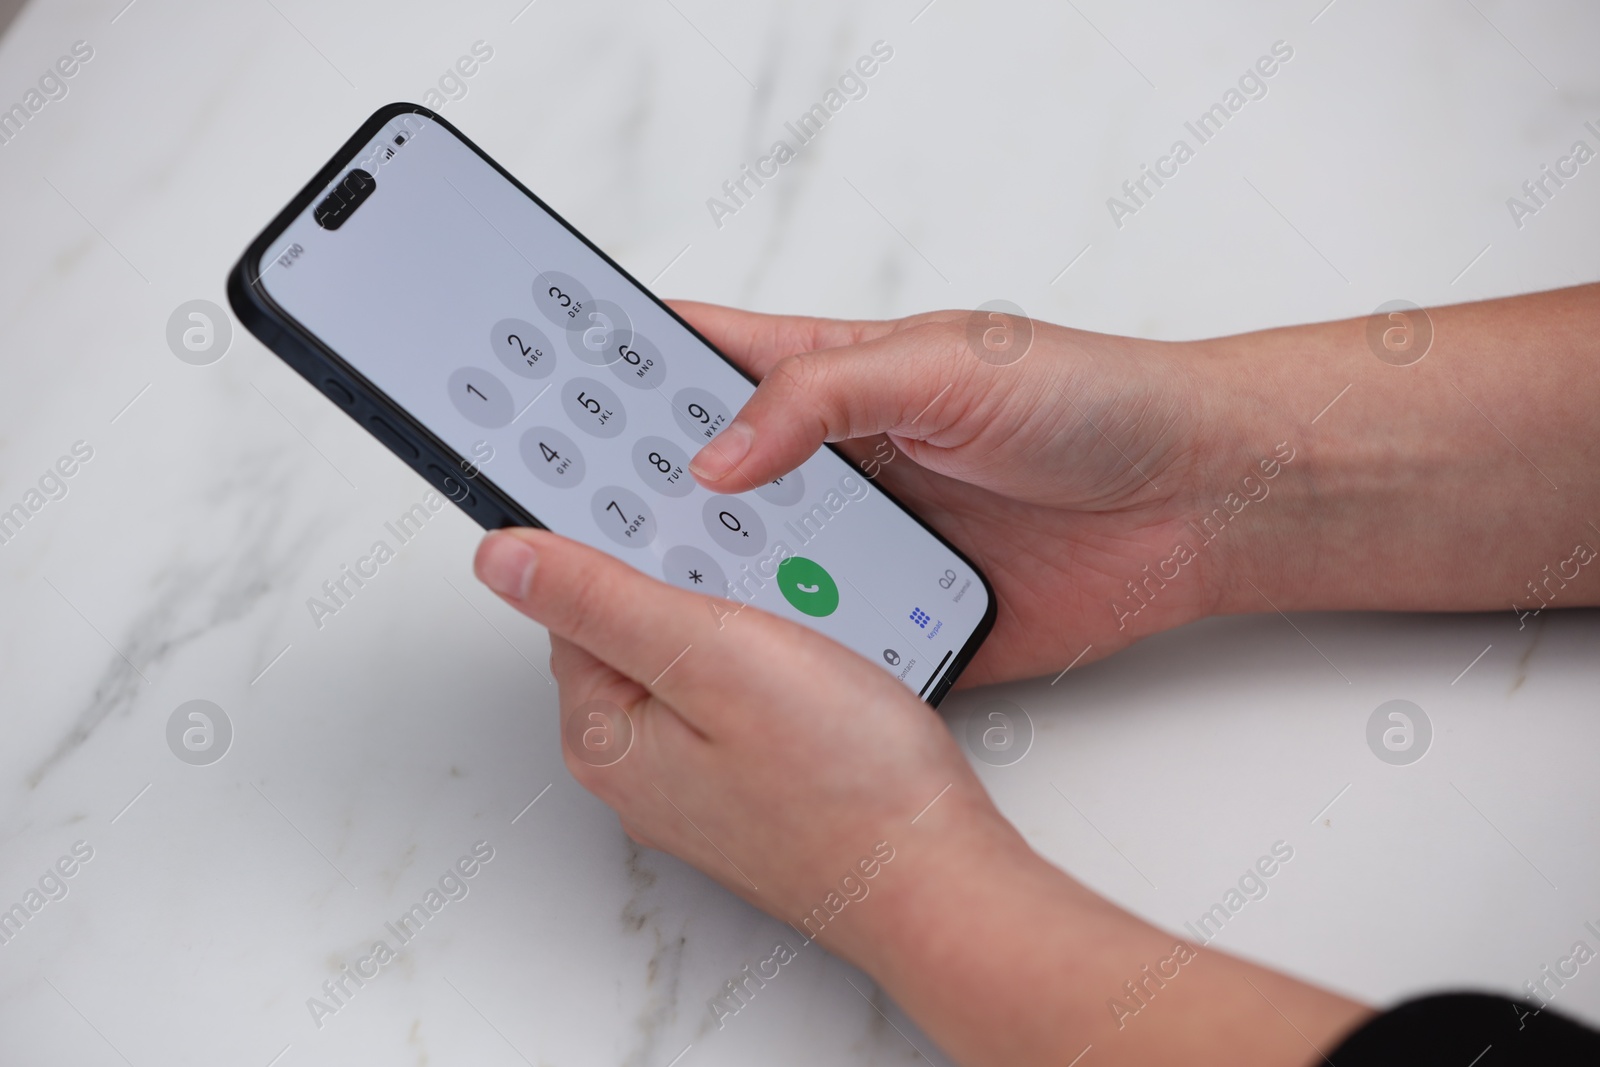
(756, 341)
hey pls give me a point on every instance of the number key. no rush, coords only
(640, 364)
(622, 516)
(522, 348)
(699, 414)
(481, 398)
(663, 466)
(593, 407)
(561, 297)
(552, 456)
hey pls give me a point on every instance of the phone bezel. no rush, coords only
(494, 508)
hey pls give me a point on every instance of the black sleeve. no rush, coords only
(1468, 1030)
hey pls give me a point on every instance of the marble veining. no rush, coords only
(370, 752)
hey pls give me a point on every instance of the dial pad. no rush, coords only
(617, 422)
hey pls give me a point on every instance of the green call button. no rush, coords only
(807, 586)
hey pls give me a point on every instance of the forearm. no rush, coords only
(1469, 480)
(1005, 960)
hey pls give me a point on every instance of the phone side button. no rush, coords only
(391, 437)
(338, 393)
(451, 486)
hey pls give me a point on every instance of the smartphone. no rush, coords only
(533, 382)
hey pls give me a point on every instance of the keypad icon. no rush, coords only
(921, 618)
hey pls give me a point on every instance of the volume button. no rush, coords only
(445, 481)
(337, 392)
(392, 437)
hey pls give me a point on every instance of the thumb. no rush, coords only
(918, 383)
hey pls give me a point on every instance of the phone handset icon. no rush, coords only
(807, 587)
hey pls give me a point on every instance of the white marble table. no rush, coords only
(369, 755)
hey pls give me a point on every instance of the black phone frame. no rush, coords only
(411, 441)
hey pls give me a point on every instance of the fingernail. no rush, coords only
(505, 564)
(724, 453)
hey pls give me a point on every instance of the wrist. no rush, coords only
(974, 930)
(1005, 960)
(1445, 484)
(1257, 503)
(1237, 504)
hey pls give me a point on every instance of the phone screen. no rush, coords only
(551, 373)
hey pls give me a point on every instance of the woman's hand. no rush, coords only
(812, 784)
(1111, 487)
(809, 782)
(1064, 474)
(756, 749)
